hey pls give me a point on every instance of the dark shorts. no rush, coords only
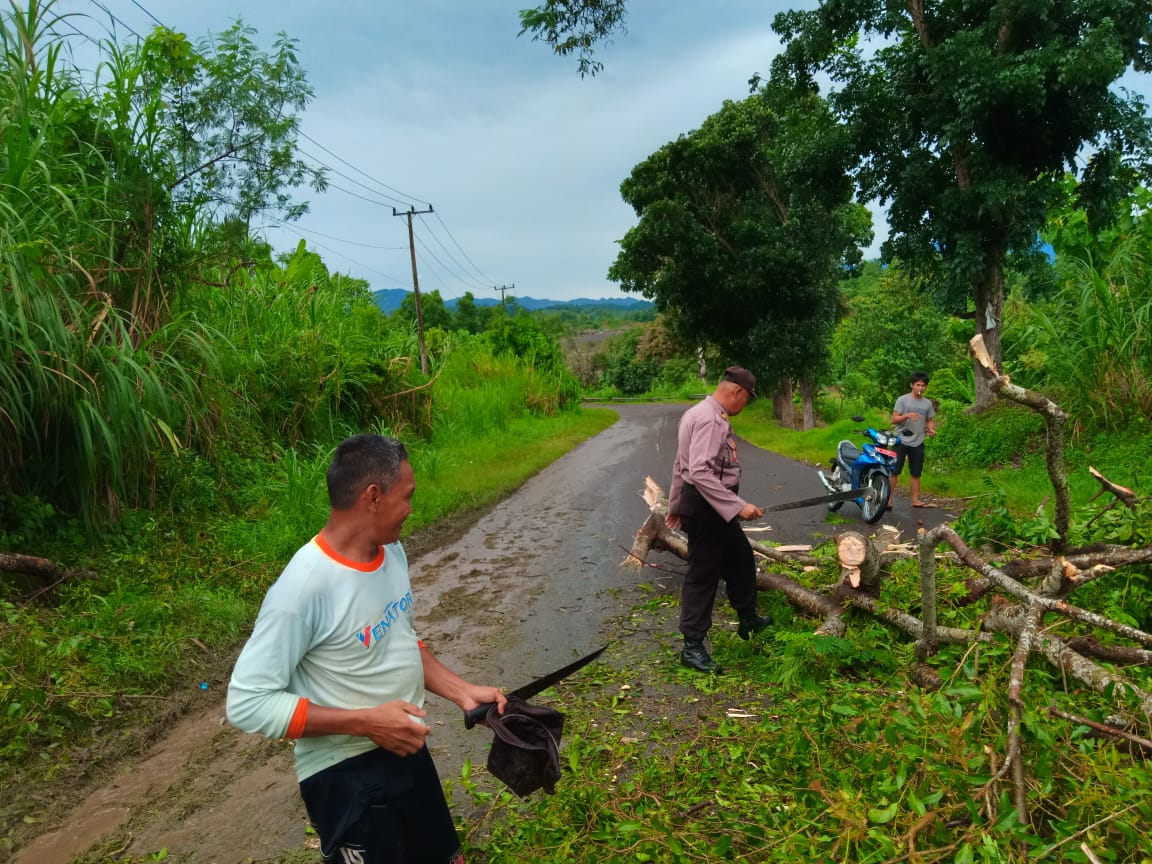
(380, 808)
(915, 460)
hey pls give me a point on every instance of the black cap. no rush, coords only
(740, 375)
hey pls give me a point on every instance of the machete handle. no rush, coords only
(477, 714)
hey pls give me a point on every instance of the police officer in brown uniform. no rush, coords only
(704, 499)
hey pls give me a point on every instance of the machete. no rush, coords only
(477, 714)
(846, 495)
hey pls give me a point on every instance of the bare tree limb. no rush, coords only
(1110, 555)
(1126, 496)
(1143, 743)
(1120, 654)
(1054, 419)
(1052, 604)
(42, 569)
(909, 623)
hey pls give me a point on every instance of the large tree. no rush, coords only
(745, 227)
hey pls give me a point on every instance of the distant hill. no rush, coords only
(389, 299)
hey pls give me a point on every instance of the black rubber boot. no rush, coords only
(749, 627)
(696, 656)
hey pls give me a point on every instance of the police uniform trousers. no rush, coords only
(716, 550)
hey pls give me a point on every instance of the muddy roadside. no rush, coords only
(504, 596)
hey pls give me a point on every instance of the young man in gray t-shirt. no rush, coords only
(914, 417)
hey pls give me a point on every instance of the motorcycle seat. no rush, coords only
(848, 452)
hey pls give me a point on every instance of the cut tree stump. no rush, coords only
(859, 562)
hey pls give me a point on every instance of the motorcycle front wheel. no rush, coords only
(875, 504)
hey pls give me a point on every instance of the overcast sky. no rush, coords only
(440, 99)
(520, 158)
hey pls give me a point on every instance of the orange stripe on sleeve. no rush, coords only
(299, 720)
(420, 642)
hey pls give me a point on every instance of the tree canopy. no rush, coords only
(218, 120)
(745, 226)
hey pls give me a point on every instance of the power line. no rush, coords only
(377, 202)
(427, 267)
(78, 32)
(448, 252)
(361, 171)
(114, 18)
(340, 173)
(150, 15)
(445, 266)
(463, 276)
(295, 227)
(479, 272)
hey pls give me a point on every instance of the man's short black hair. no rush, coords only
(359, 462)
(919, 376)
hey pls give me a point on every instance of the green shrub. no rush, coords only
(625, 370)
(1000, 437)
(891, 331)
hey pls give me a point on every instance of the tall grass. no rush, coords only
(305, 356)
(1091, 344)
(85, 399)
(1099, 329)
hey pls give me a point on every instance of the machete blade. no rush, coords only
(477, 714)
(847, 495)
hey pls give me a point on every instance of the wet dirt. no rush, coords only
(503, 597)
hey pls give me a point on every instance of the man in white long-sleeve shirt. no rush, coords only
(334, 663)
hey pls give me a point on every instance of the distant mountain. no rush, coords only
(389, 300)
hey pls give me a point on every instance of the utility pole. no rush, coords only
(416, 283)
(502, 289)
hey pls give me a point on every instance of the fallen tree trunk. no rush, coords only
(862, 566)
(42, 570)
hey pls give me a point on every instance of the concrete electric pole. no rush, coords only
(416, 283)
(502, 289)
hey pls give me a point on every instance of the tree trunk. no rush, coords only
(808, 400)
(782, 404)
(989, 300)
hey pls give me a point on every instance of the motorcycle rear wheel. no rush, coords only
(874, 506)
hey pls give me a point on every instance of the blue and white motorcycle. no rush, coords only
(867, 470)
